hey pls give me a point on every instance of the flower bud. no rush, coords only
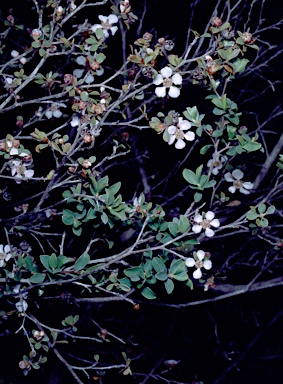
(36, 34)
(247, 38)
(14, 53)
(86, 163)
(216, 21)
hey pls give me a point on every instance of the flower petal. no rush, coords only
(14, 151)
(75, 121)
(246, 184)
(237, 174)
(177, 79)
(7, 248)
(48, 114)
(209, 232)
(95, 27)
(207, 264)
(190, 136)
(190, 262)
(174, 92)
(29, 173)
(184, 125)
(166, 72)
(209, 215)
(244, 191)
(113, 19)
(57, 113)
(232, 189)
(197, 274)
(228, 177)
(158, 80)
(196, 228)
(103, 18)
(215, 223)
(171, 139)
(180, 144)
(215, 171)
(198, 218)
(160, 91)
(113, 30)
(200, 254)
(172, 129)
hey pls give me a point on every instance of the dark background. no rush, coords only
(235, 340)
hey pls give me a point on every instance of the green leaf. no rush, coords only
(45, 261)
(252, 215)
(162, 276)
(197, 197)
(204, 149)
(169, 286)
(82, 261)
(190, 284)
(173, 227)
(252, 146)
(53, 261)
(177, 266)
(262, 208)
(37, 278)
(77, 231)
(218, 112)
(84, 96)
(270, 210)
(100, 58)
(130, 272)
(239, 65)
(158, 264)
(148, 293)
(190, 176)
(183, 224)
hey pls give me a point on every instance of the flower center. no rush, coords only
(2, 256)
(238, 184)
(179, 134)
(199, 264)
(106, 25)
(205, 223)
(167, 83)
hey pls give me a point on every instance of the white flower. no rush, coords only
(20, 172)
(89, 78)
(75, 122)
(21, 306)
(23, 60)
(54, 110)
(5, 254)
(9, 80)
(177, 133)
(200, 261)
(106, 25)
(167, 82)
(205, 223)
(217, 163)
(14, 53)
(236, 178)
